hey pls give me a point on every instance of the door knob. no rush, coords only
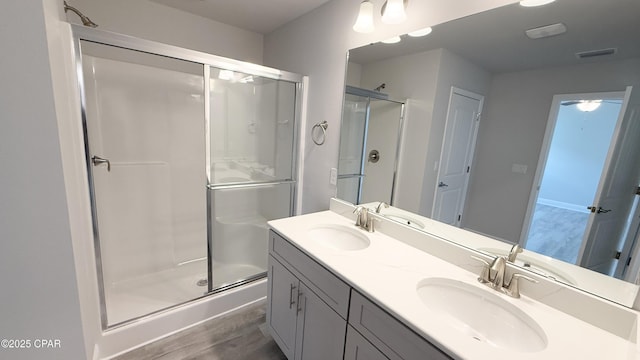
(598, 210)
(441, 184)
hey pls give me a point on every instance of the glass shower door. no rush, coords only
(252, 139)
(144, 121)
(352, 142)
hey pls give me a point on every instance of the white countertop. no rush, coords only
(388, 272)
(616, 290)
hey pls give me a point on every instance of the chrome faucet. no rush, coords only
(382, 203)
(493, 275)
(363, 220)
(513, 253)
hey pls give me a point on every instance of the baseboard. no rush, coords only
(563, 205)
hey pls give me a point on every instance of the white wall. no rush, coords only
(512, 130)
(316, 44)
(39, 295)
(152, 21)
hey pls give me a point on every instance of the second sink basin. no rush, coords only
(339, 237)
(482, 315)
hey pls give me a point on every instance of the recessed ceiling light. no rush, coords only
(422, 32)
(531, 3)
(588, 105)
(546, 31)
(393, 40)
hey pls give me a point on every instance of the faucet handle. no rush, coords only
(513, 289)
(358, 211)
(484, 274)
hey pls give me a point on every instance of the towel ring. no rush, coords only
(323, 126)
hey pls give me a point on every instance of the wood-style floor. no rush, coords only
(240, 335)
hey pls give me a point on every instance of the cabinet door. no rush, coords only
(283, 298)
(358, 348)
(321, 331)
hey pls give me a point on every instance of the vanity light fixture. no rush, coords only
(546, 31)
(422, 32)
(364, 22)
(588, 105)
(393, 11)
(532, 3)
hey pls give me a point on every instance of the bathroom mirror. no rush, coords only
(526, 89)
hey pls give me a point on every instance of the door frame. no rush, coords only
(546, 147)
(476, 126)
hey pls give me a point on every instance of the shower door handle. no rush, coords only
(97, 160)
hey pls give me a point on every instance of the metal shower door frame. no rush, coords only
(82, 33)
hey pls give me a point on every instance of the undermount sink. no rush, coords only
(405, 220)
(339, 237)
(537, 266)
(482, 315)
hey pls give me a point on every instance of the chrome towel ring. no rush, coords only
(323, 126)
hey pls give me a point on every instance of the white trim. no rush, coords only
(302, 144)
(563, 205)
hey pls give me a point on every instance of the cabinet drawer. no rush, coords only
(358, 348)
(327, 286)
(389, 335)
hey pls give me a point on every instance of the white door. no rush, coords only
(461, 130)
(616, 191)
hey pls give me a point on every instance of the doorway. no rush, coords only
(586, 134)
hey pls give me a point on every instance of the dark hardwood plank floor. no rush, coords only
(240, 335)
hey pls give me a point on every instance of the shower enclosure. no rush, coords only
(369, 146)
(188, 156)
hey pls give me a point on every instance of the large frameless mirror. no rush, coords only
(523, 135)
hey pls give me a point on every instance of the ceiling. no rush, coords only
(495, 39)
(261, 16)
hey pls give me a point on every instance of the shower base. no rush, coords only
(127, 300)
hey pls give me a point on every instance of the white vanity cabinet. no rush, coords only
(307, 305)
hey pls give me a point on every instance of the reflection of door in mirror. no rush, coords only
(369, 142)
(616, 195)
(461, 131)
(576, 164)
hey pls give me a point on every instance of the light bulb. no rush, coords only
(394, 12)
(364, 22)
